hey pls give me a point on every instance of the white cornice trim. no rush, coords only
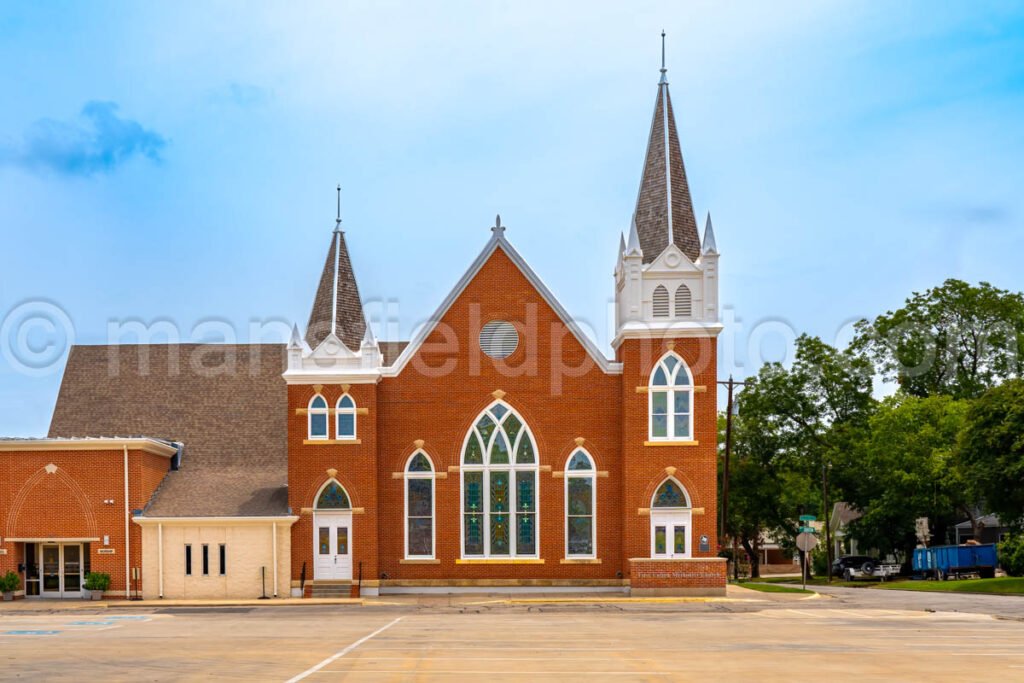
(498, 240)
(340, 376)
(666, 330)
(87, 444)
(215, 521)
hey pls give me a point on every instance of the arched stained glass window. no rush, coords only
(670, 495)
(317, 417)
(499, 486)
(333, 497)
(419, 507)
(671, 400)
(346, 417)
(580, 505)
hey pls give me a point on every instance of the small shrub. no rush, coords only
(9, 582)
(1011, 555)
(97, 581)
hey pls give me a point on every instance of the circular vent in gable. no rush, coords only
(499, 339)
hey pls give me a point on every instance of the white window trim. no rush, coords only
(665, 516)
(338, 412)
(582, 474)
(311, 411)
(433, 505)
(512, 468)
(670, 390)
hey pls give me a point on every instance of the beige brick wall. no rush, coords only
(249, 547)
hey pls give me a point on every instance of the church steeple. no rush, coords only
(337, 308)
(664, 210)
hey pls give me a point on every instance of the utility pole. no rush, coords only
(828, 531)
(730, 384)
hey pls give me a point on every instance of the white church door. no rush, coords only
(332, 542)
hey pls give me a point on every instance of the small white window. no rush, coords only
(671, 400)
(499, 339)
(660, 302)
(346, 418)
(671, 516)
(684, 302)
(318, 417)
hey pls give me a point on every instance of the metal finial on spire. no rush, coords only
(498, 227)
(664, 78)
(337, 221)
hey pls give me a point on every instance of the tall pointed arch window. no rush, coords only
(684, 302)
(671, 400)
(580, 505)
(419, 507)
(670, 521)
(499, 486)
(317, 413)
(346, 418)
(659, 302)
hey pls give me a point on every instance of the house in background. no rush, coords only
(842, 515)
(992, 530)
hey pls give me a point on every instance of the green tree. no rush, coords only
(956, 339)
(794, 424)
(907, 470)
(991, 452)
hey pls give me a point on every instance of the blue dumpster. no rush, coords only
(944, 561)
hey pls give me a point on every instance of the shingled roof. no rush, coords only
(664, 191)
(226, 403)
(337, 307)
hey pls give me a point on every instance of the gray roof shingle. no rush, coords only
(226, 403)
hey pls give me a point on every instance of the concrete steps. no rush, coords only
(331, 589)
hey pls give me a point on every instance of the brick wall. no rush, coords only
(69, 502)
(678, 577)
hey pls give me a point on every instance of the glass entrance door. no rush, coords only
(60, 568)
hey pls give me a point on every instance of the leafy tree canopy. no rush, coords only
(956, 339)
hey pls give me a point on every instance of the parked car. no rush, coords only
(841, 564)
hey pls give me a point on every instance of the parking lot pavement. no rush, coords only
(768, 640)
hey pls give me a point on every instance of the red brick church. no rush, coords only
(498, 449)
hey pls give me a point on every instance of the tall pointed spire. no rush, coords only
(664, 209)
(337, 308)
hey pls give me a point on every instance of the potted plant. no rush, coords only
(96, 583)
(9, 583)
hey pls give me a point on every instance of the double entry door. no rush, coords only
(332, 545)
(670, 534)
(60, 570)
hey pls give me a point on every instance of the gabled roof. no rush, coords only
(664, 210)
(337, 308)
(496, 242)
(224, 402)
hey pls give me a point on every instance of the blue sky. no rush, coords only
(177, 161)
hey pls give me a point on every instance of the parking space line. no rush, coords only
(338, 655)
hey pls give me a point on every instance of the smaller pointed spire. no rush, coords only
(633, 248)
(708, 246)
(368, 338)
(296, 340)
(622, 244)
(664, 71)
(337, 221)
